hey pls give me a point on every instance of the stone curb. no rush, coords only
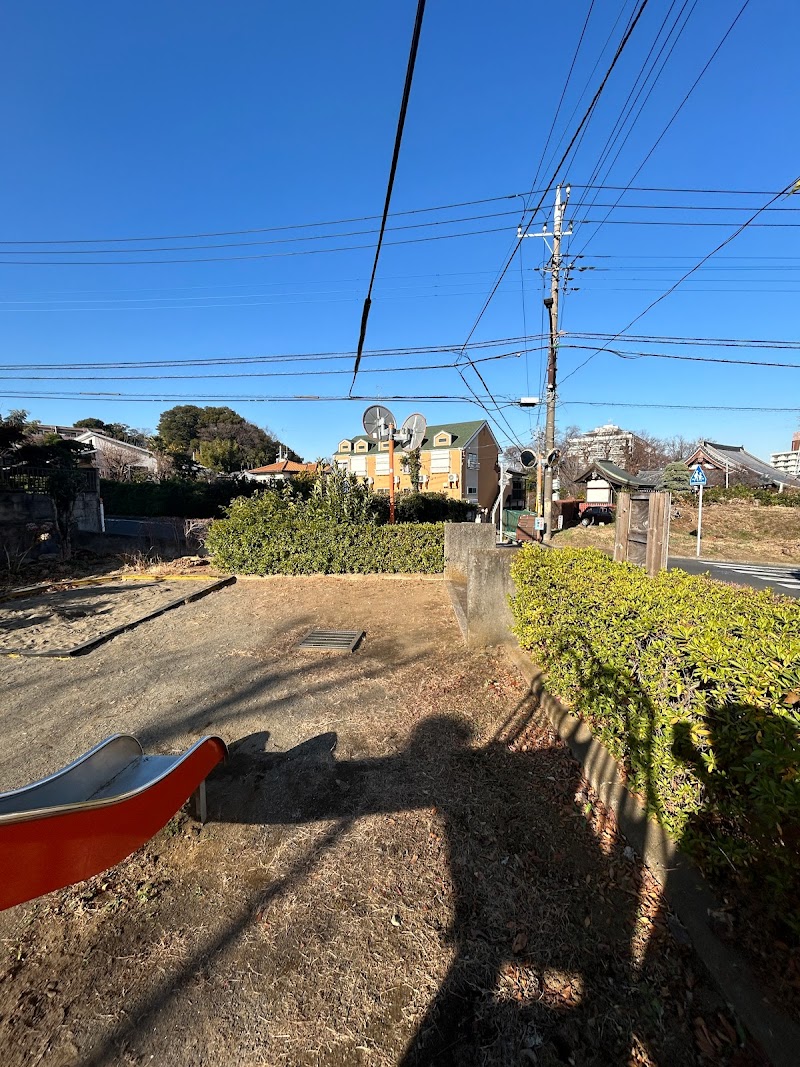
(685, 888)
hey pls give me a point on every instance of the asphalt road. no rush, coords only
(785, 580)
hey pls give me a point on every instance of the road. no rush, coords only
(785, 580)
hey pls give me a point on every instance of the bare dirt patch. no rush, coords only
(743, 532)
(66, 616)
(403, 864)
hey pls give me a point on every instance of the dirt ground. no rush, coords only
(66, 616)
(741, 532)
(402, 864)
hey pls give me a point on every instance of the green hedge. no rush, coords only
(695, 686)
(178, 497)
(267, 535)
(766, 497)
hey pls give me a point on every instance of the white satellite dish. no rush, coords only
(378, 422)
(413, 431)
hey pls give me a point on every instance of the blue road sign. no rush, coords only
(698, 476)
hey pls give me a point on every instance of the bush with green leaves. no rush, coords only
(274, 533)
(766, 497)
(694, 685)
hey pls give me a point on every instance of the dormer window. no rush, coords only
(362, 446)
(344, 446)
(442, 438)
(383, 446)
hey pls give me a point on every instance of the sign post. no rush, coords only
(698, 480)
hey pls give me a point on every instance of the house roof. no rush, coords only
(461, 433)
(618, 478)
(284, 466)
(89, 436)
(736, 457)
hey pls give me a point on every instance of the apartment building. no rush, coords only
(459, 459)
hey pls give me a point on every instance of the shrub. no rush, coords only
(432, 507)
(695, 686)
(766, 497)
(274, 534)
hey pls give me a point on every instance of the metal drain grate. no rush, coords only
(332, 640)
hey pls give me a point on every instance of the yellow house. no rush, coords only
(459, 459)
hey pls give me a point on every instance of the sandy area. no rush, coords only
(62, 618)
(402, 864)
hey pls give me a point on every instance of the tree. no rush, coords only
(221, 438)
(676, 477)
(414, 462)
(65, 479)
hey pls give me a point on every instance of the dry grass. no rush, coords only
(740, 532)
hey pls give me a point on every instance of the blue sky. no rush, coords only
(153, 120)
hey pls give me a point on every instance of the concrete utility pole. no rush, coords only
(552, 361)
(551, 303)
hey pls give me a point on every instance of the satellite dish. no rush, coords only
(527, 458)
(414, 429)
(377, 422)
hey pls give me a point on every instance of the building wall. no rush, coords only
(606, 442)
(455, 482)
(788, 462)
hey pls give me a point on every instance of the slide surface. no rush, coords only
(95, 812)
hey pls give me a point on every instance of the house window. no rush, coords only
(358, 465)
(381, 464)
(383, 446)
(472, 490)
(442, 438)
(362, 446)
(342, 464)
(472, 461)
(440, 462)
(344, 446)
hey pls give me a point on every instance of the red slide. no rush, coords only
(94, 813)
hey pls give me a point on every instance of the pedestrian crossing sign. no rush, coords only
(698, 476)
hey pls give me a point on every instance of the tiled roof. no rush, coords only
(613, 474)
(736, 457)
(284, 466)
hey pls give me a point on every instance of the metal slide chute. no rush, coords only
(95, 812)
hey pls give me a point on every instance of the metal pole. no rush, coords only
(552, 361)
(391, 474)
(699, 521)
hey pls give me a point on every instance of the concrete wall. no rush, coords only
(489, 586)
(460, 538)
(18, 510)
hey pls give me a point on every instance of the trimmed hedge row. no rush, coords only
(264, 536)
(694, 686)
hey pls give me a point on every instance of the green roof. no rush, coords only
(461, 433)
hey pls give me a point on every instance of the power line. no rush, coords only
(691, 359)
(296, 357)
(236, 259)
(412, 59)
(689, 273)
(254, 244)
(520, 236)
(249, 374)
(673, 407)
(677, 110)
(121, 398)
(716, 342)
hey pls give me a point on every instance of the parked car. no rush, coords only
(597, 516)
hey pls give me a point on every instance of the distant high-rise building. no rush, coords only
(605, 442)
(788, 462)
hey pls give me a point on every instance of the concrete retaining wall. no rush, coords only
(460, 538)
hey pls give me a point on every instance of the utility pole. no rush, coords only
(551, 303)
